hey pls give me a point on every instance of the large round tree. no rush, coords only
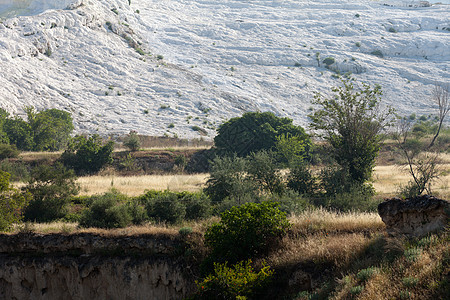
(255, 131)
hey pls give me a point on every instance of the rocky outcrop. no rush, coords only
(89, 266)
(414, 217)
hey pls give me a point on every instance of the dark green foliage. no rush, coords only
(166, 207)
(358, 198)
(106, 212)
(8, 151)
(88, 154)
(47, 130)
(245, 231)
(198, 206)
(19, 133)
(50, 128)
(51, 188)
(253, 132)
(3, 136)
(228, 179)
(301, 180)
(264, 171)
(17, 169)
(137, 212)
(291, 202)
(132, 141)
(12, 203)
(239, 281)
(329, 61)
(351, 122)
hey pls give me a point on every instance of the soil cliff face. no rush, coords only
(87, 266)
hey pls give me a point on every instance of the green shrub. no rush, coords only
(263, 170)
(366, 274)
(88, 154)
(18, 170)
(245, 231)
(198, 206)
(166, 207)
(301, 180)
(184, 231)
(358, 198)
(291, 202)
(8, 151)
(228, 179)
(329, 61)
(12, 203)
(239, 281)
(105, 212)
(51, 188)
(356, 290)
(137, 212)
(132, 141)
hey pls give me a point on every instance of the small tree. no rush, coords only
(51, 188)
(88, 154)
(421, 159)
(12, 203)
(132, 141)
(351, 121)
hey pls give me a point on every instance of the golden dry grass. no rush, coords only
(388, 179)
(136, 185)
(319, 219)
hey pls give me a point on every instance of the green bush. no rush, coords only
(51, 188)
(12, 203)
(366, 274)
(137, 212)
(88, 154)
(263, 170)
(228, 179)
(166, 207)
(198, 206)
(329, 61)
(291, 202)
(8, 151)
(18, 170)
(255, 131)
(301, 180)
(239, 281)
(245, 231)
(106, 212)
(132, 141)
(359, 198)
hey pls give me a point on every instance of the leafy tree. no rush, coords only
(19, 133)
(351, 121)
(245, 231)
(88, 154)
(228, 179)
(265, 172)
(3, 136)
(255, 131)
(8, 151)
(51, 187)
(51, 128)
(12, 203)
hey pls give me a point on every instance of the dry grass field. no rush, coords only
(136, 185)
(387, 180)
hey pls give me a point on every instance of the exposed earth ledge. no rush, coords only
(92, 266)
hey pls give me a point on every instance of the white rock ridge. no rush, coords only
(119, 67)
